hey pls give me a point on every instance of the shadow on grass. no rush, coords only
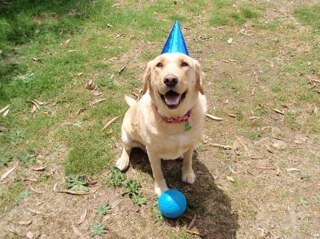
(212, 207)
(25, 21)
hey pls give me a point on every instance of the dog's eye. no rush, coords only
(184, 64)
(159, 65)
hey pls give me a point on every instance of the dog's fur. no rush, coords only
(144, 127)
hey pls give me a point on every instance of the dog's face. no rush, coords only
(174, 81)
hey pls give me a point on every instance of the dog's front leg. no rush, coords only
(188, 175)
(160, 184)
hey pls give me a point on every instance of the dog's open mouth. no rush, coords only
(172, 99)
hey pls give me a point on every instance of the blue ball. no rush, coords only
(172, 203)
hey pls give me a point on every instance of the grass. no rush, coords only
(309, 16)
(14, 193)
(222, 15)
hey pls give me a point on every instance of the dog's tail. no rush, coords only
(130, 101)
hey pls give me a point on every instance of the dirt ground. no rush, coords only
(254, 180)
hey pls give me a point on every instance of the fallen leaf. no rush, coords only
(14, 231)
(36, 191)
(254, 117)
(278, 111)
(25, 223)
(122, 69)
(253, 91)
(221, 146)
(116, 203)
(194, 233)
(269, 149)
(90, 86)
(34, 211)
(66, 42)
(29, 235)
(39, 102)
(192, 222)
(6, 174)
(214, 117)
(41, 168)
(109, 123)
(6, 113)
(97, 101)
(231, 115)
(82, 217)
(77, 232)
(231, 179)
(74, 192)
(55, 187)
(289, 170)
(39, 203)
(30, 179)
(4, 109)
(230, 40)
(278, 172)
(96, 94)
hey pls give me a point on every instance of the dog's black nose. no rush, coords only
(170, 80)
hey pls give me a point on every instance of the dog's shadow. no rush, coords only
(209, 205)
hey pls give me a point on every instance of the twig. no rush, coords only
(214, 117)
(109, 123)
(221, 146)
(192, 222)
(278, 111)
(74, 192)
(194, 233)
(97, 101)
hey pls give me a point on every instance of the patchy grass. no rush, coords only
(224, 15)
(309, 16)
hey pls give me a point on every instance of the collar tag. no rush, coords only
(187, 126)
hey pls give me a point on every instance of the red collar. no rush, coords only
(178, 119)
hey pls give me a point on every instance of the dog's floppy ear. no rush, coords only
(146, 78)
(200, 76)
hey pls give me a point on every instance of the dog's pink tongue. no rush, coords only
(172, 99)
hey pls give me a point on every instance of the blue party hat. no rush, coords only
(175, 42)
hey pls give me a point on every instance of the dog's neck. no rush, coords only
(178, 119)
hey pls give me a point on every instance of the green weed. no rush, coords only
(115, 176)
(103, 209)
(77, 183)
(132, 190)
(27, 158)
(98, 230)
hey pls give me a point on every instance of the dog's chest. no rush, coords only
(172, 146)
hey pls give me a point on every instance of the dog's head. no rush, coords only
(174, 81)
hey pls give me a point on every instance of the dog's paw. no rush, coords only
(160, 187)
(122, 163)
(188, 177)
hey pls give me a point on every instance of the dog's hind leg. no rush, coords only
(123, 162)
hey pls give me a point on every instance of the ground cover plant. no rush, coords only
(64, 69)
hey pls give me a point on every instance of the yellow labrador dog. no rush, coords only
(168, 120)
